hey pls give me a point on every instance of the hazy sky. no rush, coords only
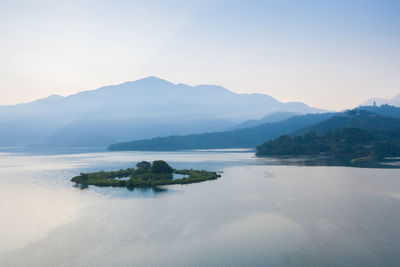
(329, 54)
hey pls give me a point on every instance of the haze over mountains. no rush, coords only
(395, 101)
(145, 108)
(383, 118)
(274, 117)
(239, 138)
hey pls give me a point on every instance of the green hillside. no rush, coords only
(240, 138)
(356, 135)
(351, 143)
(362, 119)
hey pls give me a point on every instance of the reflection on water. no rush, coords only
(260, 213)
(387, 163)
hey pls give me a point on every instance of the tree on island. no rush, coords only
(144, 166)
(160, 174)
(160, 166)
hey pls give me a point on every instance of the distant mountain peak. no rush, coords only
(144, 108)
(395, 101)
(396, 97)
(152, 80)
(47, 99)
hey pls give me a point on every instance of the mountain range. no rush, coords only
(145, 108)
(367, 117)
(356, 136)
(239, 138)
(274, 117)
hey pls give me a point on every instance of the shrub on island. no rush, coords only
(146, 174)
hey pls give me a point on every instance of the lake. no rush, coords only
(260, 213)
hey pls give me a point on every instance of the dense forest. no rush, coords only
(360, 118)
(351, 143)
(384, 110)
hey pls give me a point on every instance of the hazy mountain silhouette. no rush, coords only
(273, 117)
(395, 101)
(144, 108)
(367, 117)
(239, 138)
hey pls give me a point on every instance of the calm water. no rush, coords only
(257, 214)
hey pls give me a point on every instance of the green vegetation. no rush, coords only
(356, 136)
(383, 110)
(146, 174)
(367, 117)
(359, 118)
(354, 144)
(240, 138)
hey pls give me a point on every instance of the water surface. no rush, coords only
(259, 213)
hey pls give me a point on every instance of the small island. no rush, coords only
(146, 174)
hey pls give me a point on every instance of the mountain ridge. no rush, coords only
(394, 101)
(144, 108)
(239, 138)
(378, 118)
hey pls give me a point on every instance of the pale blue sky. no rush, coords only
(329, 54)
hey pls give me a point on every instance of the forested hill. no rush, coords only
(346, 143)
(354, 134)
(384, 110)
(362, 119)
(240, 138)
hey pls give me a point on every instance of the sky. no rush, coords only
(328, 54)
